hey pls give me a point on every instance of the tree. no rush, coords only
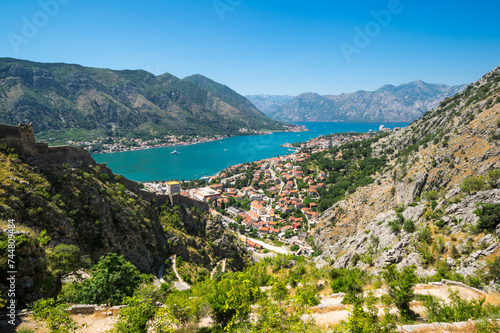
(494, 177)
(283, 313)
(66, 259)
(401, 289)
(54, 315)
(113, 278)
(489, 216)
(472, 184)
(135, 317)
(230, 300)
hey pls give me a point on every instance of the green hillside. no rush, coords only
(68, 101)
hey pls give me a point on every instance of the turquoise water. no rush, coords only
(207, 159)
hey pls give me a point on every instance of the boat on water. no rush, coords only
(174, 152)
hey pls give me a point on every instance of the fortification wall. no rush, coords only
(193, 203)
(12, 136)
(9, 132)
(70, 155)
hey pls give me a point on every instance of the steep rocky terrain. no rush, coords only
(269, 104)
(406, 102)
(72, 101)
(423, 184)
(53, 204)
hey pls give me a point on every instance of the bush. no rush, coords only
(425, 235)
(494, 270)
(493, 178)
(66, 259)
(294, 247)
(135, 317)
(472, 184)
(430, 195)
(409, 226)
(457, 310)
(401, 289)
(54, 315)
(489, 216)
(349, 281)
(113, 279)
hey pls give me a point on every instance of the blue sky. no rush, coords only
(263, 46)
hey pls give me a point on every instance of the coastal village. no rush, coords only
(270, 203)
(114, 145)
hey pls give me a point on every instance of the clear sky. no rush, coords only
(264, 46)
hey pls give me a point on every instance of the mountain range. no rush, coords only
(72, 101)
(439, 189)
(269, 104)
(405, 102)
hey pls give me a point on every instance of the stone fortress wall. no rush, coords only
(22, 139)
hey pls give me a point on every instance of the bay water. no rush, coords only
(206, 159)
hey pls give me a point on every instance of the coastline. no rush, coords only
(207, 160)
(192, 143)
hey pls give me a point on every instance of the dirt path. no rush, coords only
(179, 285)
(223, 269)
(327, 314)
(331, 311)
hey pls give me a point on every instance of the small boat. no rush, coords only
(174, 152)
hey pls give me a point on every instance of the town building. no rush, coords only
(206, 193)
(173, 187)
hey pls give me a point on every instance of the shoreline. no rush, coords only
(194, 143)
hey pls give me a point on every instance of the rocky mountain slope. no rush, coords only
(60, 204)
(72, 101)
(406, 102)
(269, 104)
(425, 207)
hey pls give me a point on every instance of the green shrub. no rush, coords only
(54, 315)
(355, 259)
(425, 235)
(401, 289)
(489, 216)
(113, 279)
(104, 177)
(472, 184)
(409, 226)
(66, 258)
(349, 281)
(494, 270)
(457, 310)
(135, 317)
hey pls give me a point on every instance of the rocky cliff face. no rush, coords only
(84, 207)
(429, 161)
(406, 102)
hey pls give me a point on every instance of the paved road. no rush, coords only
(268, 246)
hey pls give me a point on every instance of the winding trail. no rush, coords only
(179, 285)
(223, 262)
(160, 273)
